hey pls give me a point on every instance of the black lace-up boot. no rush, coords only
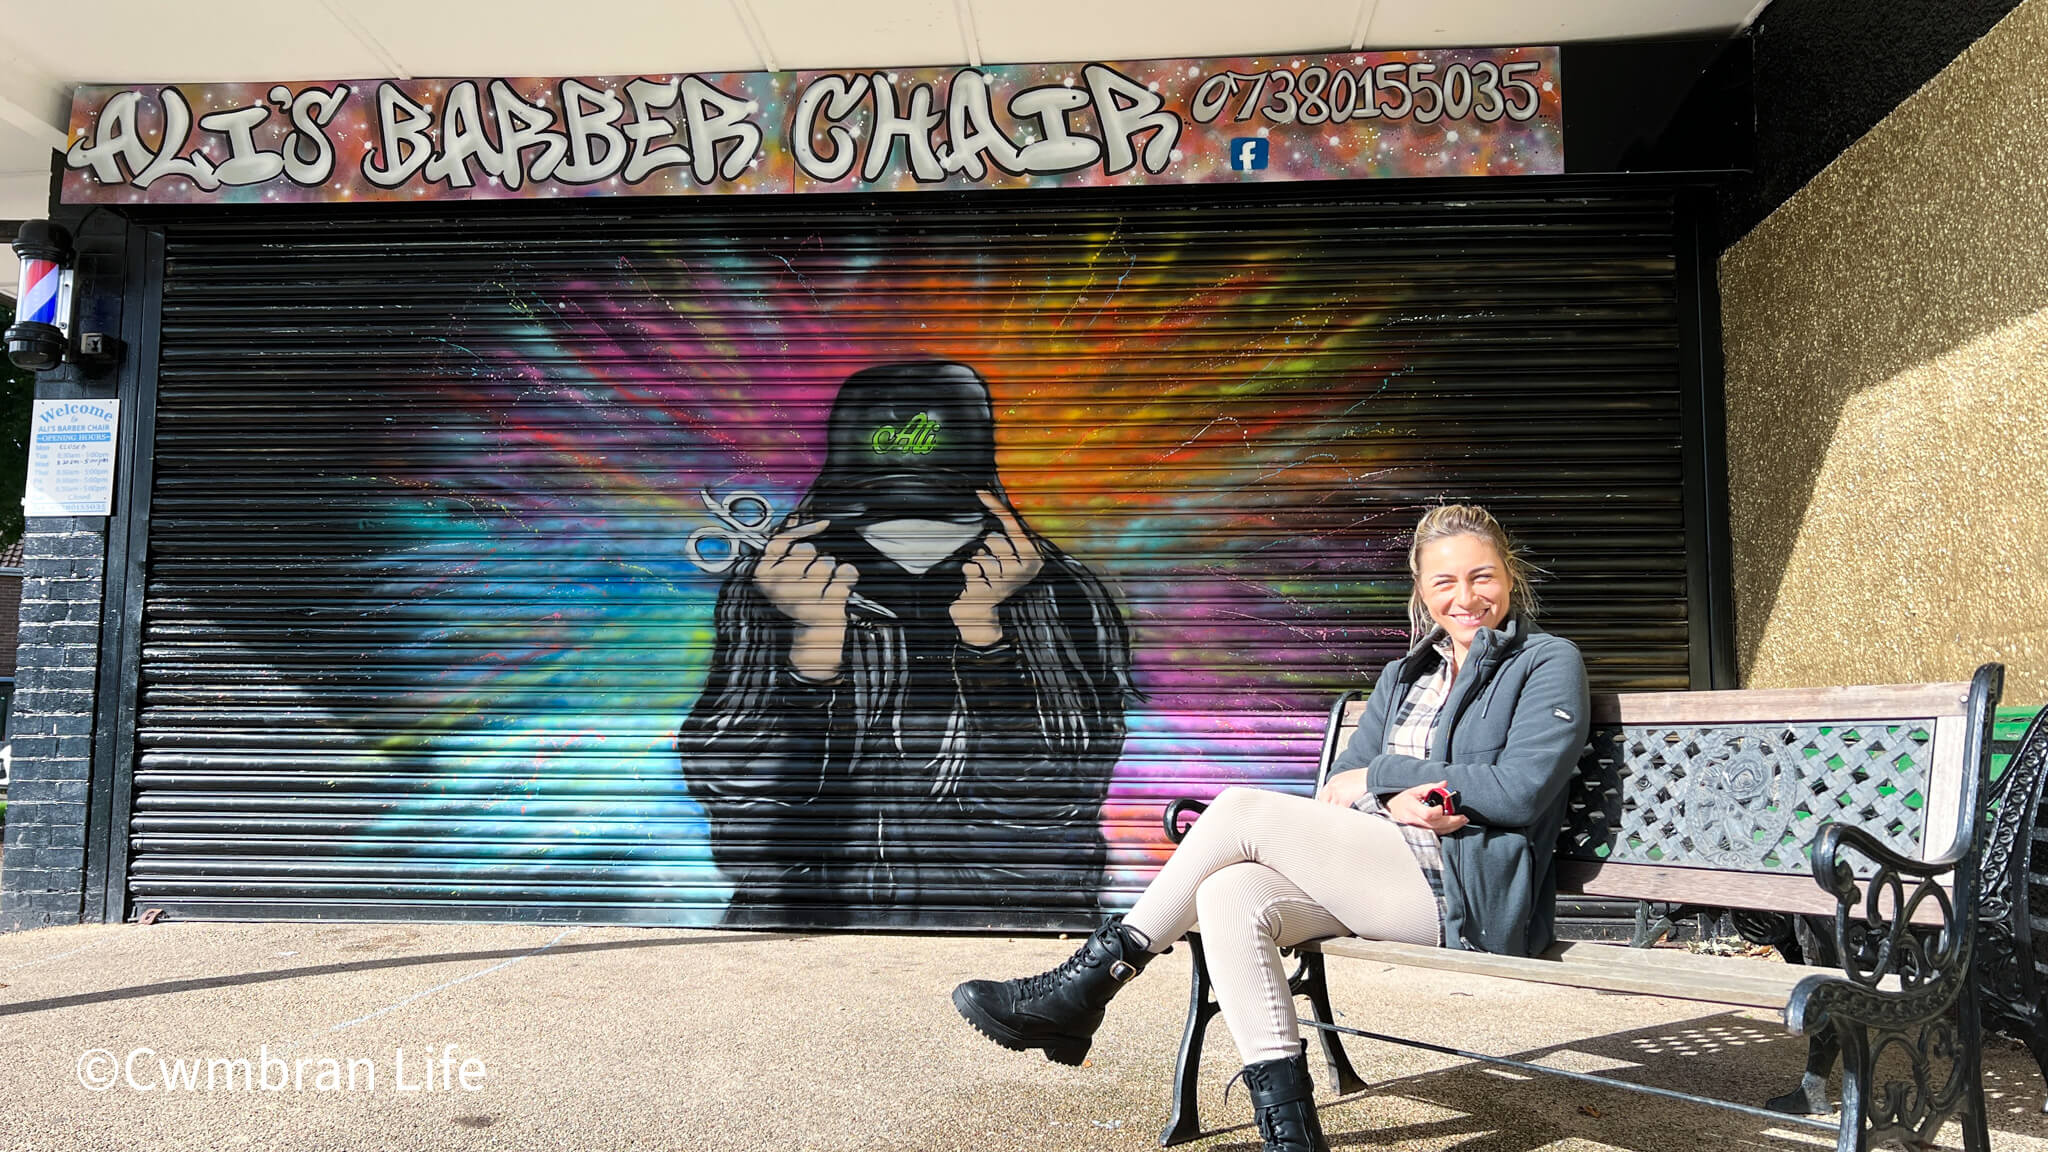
(1057, 1010)
(1285, 1099)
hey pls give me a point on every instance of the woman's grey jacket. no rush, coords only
(1508, 739)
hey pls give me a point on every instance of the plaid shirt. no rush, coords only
(1408, 735)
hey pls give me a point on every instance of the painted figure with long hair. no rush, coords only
(915, 701)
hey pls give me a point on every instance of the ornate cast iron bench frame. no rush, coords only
(1788, 802)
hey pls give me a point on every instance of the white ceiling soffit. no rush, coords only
(47, 48)
(1450, 23)
(128, 41)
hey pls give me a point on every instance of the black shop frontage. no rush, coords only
(467, 430)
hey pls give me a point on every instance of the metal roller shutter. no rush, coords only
(450, 519)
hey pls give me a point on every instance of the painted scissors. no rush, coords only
(743, 522)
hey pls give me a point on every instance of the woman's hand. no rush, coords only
(1408, 808)
(1344, 788)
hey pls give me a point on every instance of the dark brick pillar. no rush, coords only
(56, 862)
(43, 878)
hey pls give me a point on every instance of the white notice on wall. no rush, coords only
(71, 458)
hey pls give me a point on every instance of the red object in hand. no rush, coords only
(1444, 798)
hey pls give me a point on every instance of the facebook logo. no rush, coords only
(1248, 152)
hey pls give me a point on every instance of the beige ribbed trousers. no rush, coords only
(1263, 871)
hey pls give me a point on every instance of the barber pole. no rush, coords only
(41, 331)
(38, 295)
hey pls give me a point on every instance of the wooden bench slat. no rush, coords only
(1943, 798)
(1662, 959)
(1706, 886)
(1677, 976)
(1887, 702)
(1890, 703)
(1671, 966)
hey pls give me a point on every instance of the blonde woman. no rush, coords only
(1436, 826)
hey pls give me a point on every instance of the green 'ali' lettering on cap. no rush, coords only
(918, 437)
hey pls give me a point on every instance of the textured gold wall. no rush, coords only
(1886, 334)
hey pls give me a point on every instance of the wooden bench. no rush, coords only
(1871, 807)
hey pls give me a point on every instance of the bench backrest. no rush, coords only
(1714, 797)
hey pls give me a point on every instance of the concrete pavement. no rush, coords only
(626, 1038)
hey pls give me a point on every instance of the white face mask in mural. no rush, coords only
(917, 546)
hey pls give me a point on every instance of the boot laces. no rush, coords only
(1270, 1135)
(1254, 1081)
(1036, 986)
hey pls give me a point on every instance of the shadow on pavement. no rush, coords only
(242, 978)
(1730, 1056)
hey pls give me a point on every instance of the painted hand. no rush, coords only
(1408, 808)
(811, 589)
(1006, 561)
(1343, 789)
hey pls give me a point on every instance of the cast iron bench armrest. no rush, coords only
(1883, 940)
(1928, 1008)
(1174, 811)
(1835, 875)
(1934, 1015)
(1876, 937)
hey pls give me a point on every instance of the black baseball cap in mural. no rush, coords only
(907, 440)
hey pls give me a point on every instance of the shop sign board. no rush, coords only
(71, 458)
(1339, 116)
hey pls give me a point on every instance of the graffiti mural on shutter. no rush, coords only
(879, 568)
